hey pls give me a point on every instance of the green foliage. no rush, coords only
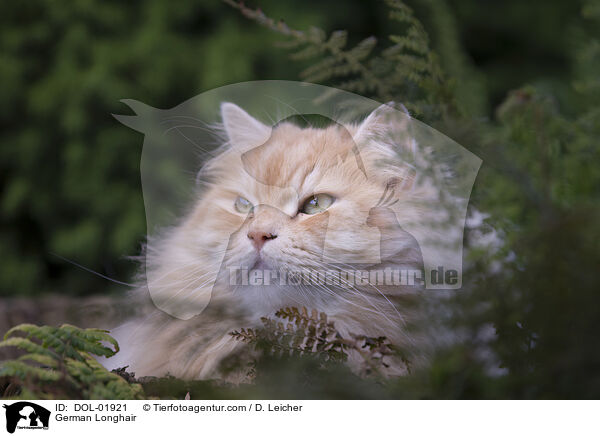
(69, 172)
(537, 296)
(58, 363)
(407, 70)
(497, 77)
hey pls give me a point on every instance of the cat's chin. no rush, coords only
(261, 264)
(259, 301)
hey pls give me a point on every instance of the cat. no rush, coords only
(283, 198)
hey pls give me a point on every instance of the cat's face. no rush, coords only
(282, 199)
(275, 205)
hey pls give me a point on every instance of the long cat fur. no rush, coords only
(276, 168)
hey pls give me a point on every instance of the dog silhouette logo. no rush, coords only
(26, 415)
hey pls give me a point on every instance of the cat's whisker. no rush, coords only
(189, 272)
(352, 268)
(189, 266)
(357, 292)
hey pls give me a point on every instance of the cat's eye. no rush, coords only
(316, 204)
(242, 205)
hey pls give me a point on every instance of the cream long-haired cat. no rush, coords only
(283, 199)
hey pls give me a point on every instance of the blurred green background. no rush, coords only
(524, 75)
(69, 173)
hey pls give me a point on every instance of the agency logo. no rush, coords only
(262, 162)
(26, 415)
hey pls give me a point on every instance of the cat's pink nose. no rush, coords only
(259, 238)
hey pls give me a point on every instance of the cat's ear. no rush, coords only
(389, 124)
(243, 131)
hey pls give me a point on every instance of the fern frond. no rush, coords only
(21, 370)
(58, 363)
(296, 332)
(407, 71)
(29, 346)
(40, 359)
